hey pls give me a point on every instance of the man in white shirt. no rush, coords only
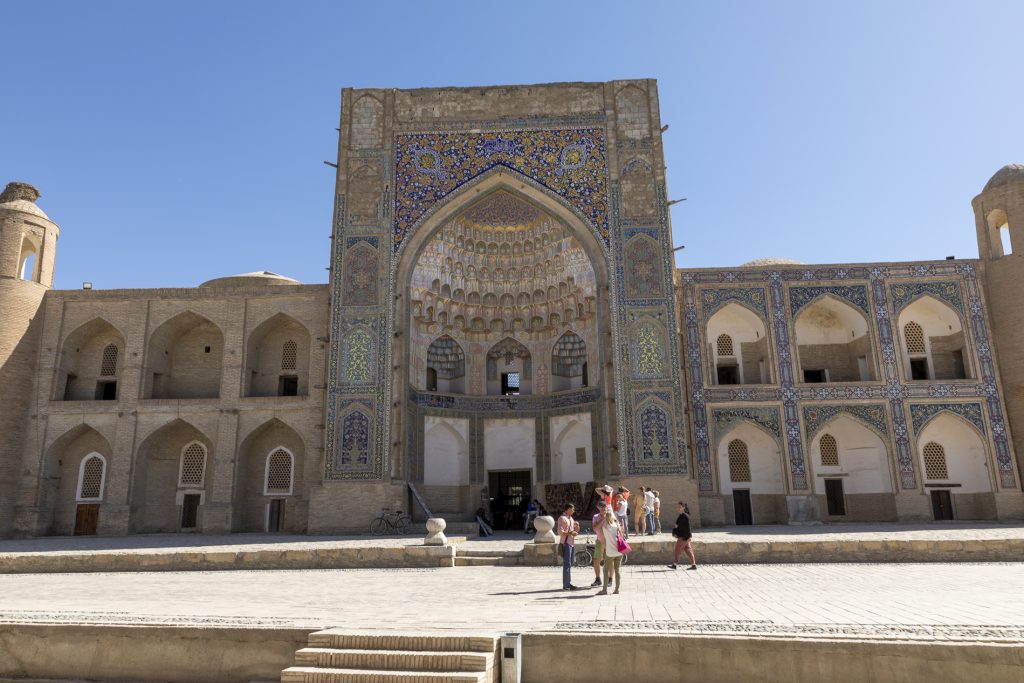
(649, 504)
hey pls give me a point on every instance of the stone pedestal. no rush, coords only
(544, 526)
(435, 532)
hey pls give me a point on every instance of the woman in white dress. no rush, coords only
(612, 556)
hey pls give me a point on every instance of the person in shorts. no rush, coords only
(683, 537)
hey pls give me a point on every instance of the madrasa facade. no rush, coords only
(504, 320)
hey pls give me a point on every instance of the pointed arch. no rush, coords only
(88, 363)
(569, 367)
(967, 457)
(61, 476)
(92, 478)
(446, 366)
(445, 452)
(158, 489)
(833, 340)
(277, 358)
(252, 493)
(933, 340)
(183, 358)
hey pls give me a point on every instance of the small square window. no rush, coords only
(206, 349)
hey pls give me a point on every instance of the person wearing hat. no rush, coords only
(595, 524)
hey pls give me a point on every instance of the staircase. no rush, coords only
(483, 557)
(338, 656)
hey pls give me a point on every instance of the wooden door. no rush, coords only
(87, 517)
(942, 505)
(275, 515)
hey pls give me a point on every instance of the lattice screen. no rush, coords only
(935, 461)
(193, 465)
(289, 353)
(92, 478)
(108, 364)
(725, 345)
(914, 336)
(279, 472)
(829, 451)
(739, 461)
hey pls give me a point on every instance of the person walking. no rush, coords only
(595, 523)
(657, 512)
(610, 533)
(649, 507)
(567, 530)
(683, 537)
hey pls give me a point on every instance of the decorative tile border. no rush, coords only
(818, 416)
(923, 413)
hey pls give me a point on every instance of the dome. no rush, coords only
(259, 278)
(1006, 175)
(770, 261)
(21, 197)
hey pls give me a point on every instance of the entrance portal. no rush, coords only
(510, 494)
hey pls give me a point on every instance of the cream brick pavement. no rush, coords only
(982, 601)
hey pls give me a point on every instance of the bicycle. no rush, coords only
(584, 556)
(388, 521)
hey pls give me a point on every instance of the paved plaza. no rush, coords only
(983, 601)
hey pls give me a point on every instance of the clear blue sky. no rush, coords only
(180, 141)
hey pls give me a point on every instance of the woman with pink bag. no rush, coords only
(615, 547)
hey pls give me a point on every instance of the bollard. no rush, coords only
(544, 526)
(511, 657)
(435, 532)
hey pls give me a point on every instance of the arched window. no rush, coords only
(193, 466)
(92, 476)
(725, 345)
(289, 353)
(739, 461)
(28, 262)
(279, 473)
(935, 461)
(829, 451)
(108, 362)
(913, 335)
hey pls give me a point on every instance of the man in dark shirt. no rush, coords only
(683, 536)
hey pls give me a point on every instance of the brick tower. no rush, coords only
(999, 216)
(28, 240)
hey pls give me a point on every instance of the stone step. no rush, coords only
(477, 561)
(394, 660)
(463, 551)
(415, 642)
(307, 674)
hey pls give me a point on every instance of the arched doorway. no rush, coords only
(512, 280)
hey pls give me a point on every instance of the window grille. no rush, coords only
(91, 485)
(108, 364)
(289, 353)
(914, 337)
(725, 345)
(829, 451)
(513, 380)
(935, 461)
(739, 461)
(193, 465)
(279, 472)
